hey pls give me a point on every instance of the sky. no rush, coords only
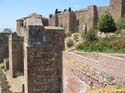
(11, 10)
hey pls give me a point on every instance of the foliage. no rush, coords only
(91, 35)
(68, 34)
(106, 23)
(65, 10)
(50, 15)
(70, 43)
(56, 11)
(69, 9)
(111, 45)
(1, 66)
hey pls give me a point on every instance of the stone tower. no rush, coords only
(42, 48)
(117, 8)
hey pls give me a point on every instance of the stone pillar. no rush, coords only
(15, 55)
(92, 17)
(43, 60)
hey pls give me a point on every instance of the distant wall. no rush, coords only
(81, 19)
(4, 46)
(64, 19)
(102, 10)
(75, 21)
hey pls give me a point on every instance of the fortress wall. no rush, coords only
(51, 21)
(43, 62)
(15, 55)
(92, 17)
(4, 46)
(102, 10)
(64, 20)
(81, 19)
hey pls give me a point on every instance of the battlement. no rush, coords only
(79, 20)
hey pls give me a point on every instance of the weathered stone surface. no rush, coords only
(15, 54)
(4, 46)
(43, 61)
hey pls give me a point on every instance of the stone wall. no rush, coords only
(75, 21)
(117, 8)
(15, 55)
(4, 46)
(102, 10)
(106, 66)
(64, 19)
(92, 17)
(81, 17)
(43, 60)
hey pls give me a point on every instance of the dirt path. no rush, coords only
(71, 83)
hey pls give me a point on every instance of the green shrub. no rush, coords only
(2, 66)
(69, 34)
(91, 35)
(106, 24)
(70, 43)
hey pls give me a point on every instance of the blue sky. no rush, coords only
(11, 10)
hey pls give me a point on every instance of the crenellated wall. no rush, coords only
(80, 20)
(75, 21)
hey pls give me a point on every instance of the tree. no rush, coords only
(65, 10)
(69, 9)
(106, 23)
(56, 11)
(91, 35)
(7, 30)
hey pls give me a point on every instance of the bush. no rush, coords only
(70, 43)
(2, 66)
(106, 24)
(91, 35)
(111, 45)
(69, 34)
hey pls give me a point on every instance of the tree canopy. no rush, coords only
(106, 23)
